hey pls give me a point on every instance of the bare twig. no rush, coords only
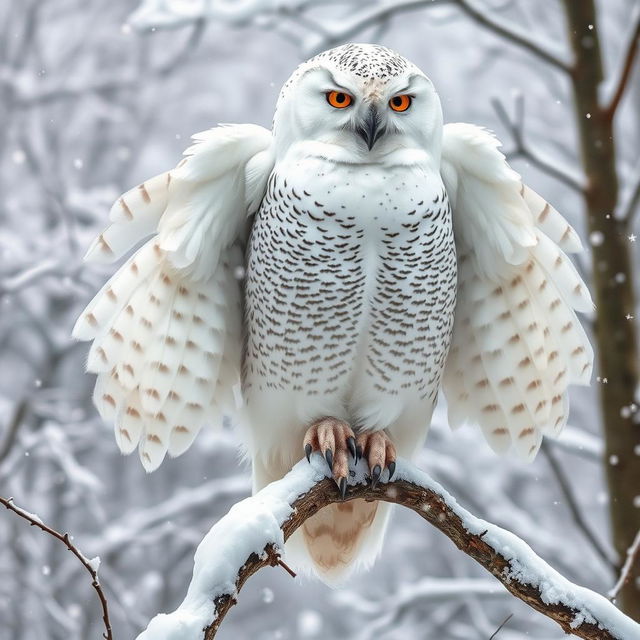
(633, 554)
(370, 16)
(522, 149)
(12, 428)
(577, 610)
(512, 34)
(497, 631)
(627, 65)
(574, 507)
(633, 203)
(34, 521)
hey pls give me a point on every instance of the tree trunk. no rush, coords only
(614, 291)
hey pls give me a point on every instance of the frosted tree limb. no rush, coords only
(91, 565)
(252, 535)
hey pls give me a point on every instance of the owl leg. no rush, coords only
(333, 438)
(379, 451)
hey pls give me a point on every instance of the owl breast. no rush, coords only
(350, 291)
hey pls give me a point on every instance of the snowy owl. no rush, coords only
(323, 279)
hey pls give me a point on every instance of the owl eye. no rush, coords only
(338, 99)
(400, 103)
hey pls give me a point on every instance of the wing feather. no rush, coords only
(517, 342)
(166, 327)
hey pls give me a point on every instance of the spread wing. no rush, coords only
(166, 327)
(517, 343)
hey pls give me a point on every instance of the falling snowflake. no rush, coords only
(596, 238)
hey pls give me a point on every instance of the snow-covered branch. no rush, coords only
(252, 536)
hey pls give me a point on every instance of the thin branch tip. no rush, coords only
(65, 538)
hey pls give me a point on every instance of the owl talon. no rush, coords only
(334, 440)
(375, 476)
(343, 488)
(379, 451)
(328, 454)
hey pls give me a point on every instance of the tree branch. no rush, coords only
(574, 508)
(631, 207)
(89, 565)
(12, 428)
(252, 535)
(522, 149)
(510, 33)
(152, 13)
(627, 65)
(633, 554)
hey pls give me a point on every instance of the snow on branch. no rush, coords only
(252, 536)
(90, 564)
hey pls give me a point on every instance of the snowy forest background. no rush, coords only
(90, 106)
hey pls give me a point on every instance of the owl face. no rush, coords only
(362, 102)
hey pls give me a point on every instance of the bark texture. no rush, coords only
(614, 293)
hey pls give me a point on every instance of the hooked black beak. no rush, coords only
(370, 129)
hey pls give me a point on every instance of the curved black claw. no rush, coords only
(328, 454)
(307, 451)
(351, 444)
(392, 469)
(375, 476)
(343, 487)
(358, 453)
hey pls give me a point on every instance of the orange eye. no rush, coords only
(338, 99)
(400, 103)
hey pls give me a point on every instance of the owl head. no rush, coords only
(359, 103)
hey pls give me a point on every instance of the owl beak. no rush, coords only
(370, 129)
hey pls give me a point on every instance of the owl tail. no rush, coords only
(339, 539)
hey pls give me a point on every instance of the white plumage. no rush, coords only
(166, 327)
(517, 343)
(317, 266)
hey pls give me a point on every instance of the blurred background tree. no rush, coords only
(92, 102)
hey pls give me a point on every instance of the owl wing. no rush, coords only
(517, 343)
(166, 328)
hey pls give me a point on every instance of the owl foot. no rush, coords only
(334, 439)
(376, 447)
